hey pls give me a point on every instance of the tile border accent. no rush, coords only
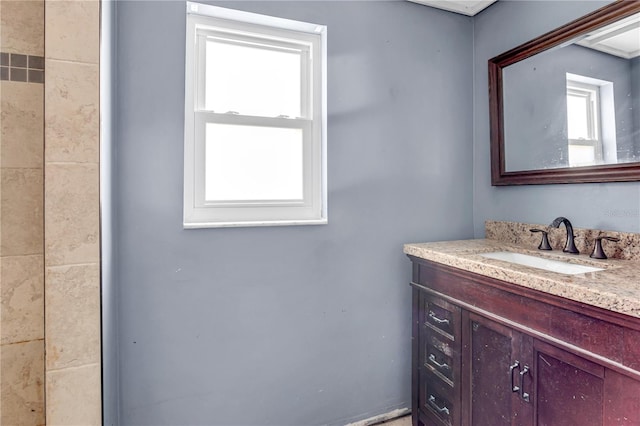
(22, 68)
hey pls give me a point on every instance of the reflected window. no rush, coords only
(583, 123)
(582, 110)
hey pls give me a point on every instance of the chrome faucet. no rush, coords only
(569, 246)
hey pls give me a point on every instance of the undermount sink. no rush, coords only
(541, 263)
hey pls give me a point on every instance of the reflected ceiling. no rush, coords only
(468, 8)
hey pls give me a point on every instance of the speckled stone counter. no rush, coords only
(518, 233)
(616, 288)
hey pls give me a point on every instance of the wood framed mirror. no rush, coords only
(565, 107)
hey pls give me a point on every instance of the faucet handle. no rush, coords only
(598, 252)
(544, 244)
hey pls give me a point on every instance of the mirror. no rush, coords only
(565, 107)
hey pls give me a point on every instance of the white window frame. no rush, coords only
(591, 92)
(210, 21)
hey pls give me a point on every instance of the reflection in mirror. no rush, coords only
(577, 104)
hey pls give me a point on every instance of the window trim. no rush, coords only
(601, 115)
(197, 212)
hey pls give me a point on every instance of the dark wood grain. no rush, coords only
(584, 362)
(493, 348)
(568, 387)
(416, 368)
(622, 400)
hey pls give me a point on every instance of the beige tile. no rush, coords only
(72, 316)
(22, 27)
(22, 385)
(22, 287)
(74, 396)
(1, 221)
(71, 111)
(71, 214)
(22, 124)
(21, 205)
(73, 29)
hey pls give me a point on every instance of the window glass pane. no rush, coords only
(252, 80)
(577, 117)
(252, 163)
(581, 155)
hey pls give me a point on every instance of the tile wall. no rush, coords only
(22, 379)
(49, 213)
(71, 213)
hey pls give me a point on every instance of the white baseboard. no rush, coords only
(382, 417)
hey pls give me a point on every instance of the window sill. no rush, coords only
(199, 225)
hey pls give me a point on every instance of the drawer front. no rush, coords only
(440, 363)
(441, 316)
(437, 400)
(433, 340)
(437, 361)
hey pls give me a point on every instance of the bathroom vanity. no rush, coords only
(496, 343)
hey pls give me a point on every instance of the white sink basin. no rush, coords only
(541, 263)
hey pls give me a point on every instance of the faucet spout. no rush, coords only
(569, 246)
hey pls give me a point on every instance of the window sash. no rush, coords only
(306, 70)
(590, 94)
(201, 120)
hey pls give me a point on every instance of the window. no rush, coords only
(255, 120)
(583, 121)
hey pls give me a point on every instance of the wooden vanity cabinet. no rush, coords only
(490, 353)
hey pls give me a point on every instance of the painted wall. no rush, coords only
(635, 96)
(288, 325)
(614, 206)
(535, 107)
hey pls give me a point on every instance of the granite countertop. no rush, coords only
(616, 288)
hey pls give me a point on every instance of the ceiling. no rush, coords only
(622, 38)
(468, 8)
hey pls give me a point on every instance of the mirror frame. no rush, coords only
(623, 172)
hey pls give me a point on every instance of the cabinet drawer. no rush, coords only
(435, 342)
(441, 316)
(437, 400)
(440, 363)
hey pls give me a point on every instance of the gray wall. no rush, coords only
(635, 96)
(614, 206)
(288, 325)
(535, 106)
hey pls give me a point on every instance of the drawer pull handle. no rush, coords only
(432, 403)
(435, 318)
(443, 366)
(524, 395)
(515, 365)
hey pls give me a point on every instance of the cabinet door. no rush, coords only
(569, 389)
(492, 357)
(621, 400)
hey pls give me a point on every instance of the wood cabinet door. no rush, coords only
(492, 357)
(621, 399)
(569, 389)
